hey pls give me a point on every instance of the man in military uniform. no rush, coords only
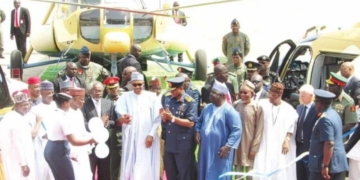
(235, 39)
(179, 117)
(89, 71)
(252, 68)
(327, 157)
(2, 19)
(232, 79)
(269, 77)
(343, 104)
(238, 67)
(112, 87)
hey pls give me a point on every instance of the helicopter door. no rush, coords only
(66, 30)
(280, 55)
(160, 28)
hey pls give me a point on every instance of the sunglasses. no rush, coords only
(137, 84)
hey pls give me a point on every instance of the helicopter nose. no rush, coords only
(116, 42)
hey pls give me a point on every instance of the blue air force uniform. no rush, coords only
(179, 140)
(191, 90)
(327, 128)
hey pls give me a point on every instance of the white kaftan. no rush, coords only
(82, 168)
(278, 121)
(46, 112)
(16, 146)
(139, 162)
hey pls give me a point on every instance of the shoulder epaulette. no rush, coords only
(272, 73)
(348, 98)
(188, 98)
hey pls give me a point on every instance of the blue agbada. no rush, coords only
(218, 126)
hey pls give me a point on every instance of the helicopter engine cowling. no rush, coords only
(43, 41)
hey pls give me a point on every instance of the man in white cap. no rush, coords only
(15, 140)
(252, 117)
(44, 109)
(139, 116)
(217, 136)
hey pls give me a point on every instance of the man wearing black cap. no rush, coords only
(179, 117)
(269, 77)
(252, 68)
(87, 70)
(327, 157)
(235, 39)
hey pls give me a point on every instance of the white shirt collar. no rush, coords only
(308, 106)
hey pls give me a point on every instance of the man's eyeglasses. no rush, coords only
(137, 84)
(255, 82)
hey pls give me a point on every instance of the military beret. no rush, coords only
(185, 71)
(237, 51)
(263, 58)
(220, 60)
(235, 22)
(33, 80)
(85, 50)
(46, 85)
(174, 83)
(323, 95)
(112, 82)
(252, 66)
(336, 79)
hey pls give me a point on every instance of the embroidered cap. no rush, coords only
(336, 79)
(176, 82)
(248, 85)
(65, 84)
(21, 96)
(77, 92)
(154, 81)
(136, 76)
(277, 88)
(46, 85)
(220, 88)
(33, 80)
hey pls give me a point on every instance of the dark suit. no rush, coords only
(182, 20)
(264, 94)
(205, 91)
(353, 139)
(24, 28)
(129, 60)
(78, 82)
(302, 169)
(352, 88)
(89, 111)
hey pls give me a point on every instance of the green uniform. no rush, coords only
(231, 79)
(239, 71)
(115, 147)
(270, 78)
(92, 73)
(345, 107)
(231, 41)
(2, 18)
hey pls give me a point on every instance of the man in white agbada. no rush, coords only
(139, 114)
(79, 154)
(277, 147)
(47, 105)
(15, 140)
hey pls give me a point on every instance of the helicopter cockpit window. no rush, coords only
(90, 25)
(143, 25)
(116, 19)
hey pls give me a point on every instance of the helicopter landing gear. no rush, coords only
(200, 65)
(16, 65)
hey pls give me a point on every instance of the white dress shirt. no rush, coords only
(97, 105)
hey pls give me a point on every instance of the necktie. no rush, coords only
(299, 131)
(72, 82)
(228, 98)
(16, 18)
(255, 96)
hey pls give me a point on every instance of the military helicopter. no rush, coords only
(108, 29)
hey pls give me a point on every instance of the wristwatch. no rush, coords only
(324, 166)
(173, 119)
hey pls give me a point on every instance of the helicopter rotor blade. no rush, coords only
(195, 5)
(108, 8)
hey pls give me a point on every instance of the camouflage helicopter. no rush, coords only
(108, 29)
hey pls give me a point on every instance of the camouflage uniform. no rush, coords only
(345, 107)
(231, 79)
(270, 78)
(231, 41)
(93, 73)
(239, 71)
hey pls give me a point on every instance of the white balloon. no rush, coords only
(95, 124)
(100, 135)
(102, 150)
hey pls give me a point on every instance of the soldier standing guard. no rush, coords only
(343, 104)
(89, 71)
(179, 116)
(269, 77)
(235, 39)
(112, 87)
(238, 67)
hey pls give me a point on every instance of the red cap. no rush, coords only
(34, 80)
(112, 82)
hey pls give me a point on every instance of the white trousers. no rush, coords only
(354, 169)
